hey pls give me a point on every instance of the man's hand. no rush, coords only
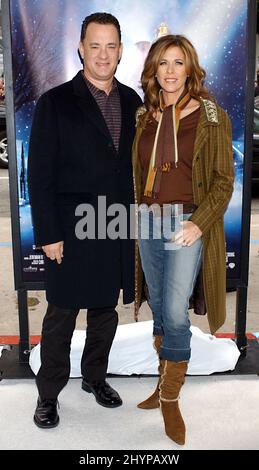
(1, 89)
(188, 235)
(54, 251)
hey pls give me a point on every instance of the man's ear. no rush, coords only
(79, 55)
(120, 53)
(80, 52)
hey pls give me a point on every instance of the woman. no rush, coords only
(182, 159)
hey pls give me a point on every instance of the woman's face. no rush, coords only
(171, 73)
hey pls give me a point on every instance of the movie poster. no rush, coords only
(45, 37)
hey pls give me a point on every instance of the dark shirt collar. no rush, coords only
(97, 91)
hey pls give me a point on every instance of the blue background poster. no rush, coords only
(45, 38)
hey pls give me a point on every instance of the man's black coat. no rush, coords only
(72, 160)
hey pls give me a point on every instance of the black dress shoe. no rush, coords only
(104, 394)
(46, 415)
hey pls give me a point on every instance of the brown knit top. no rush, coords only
(176, 185)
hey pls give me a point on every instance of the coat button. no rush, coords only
(200, 184)
(197, 158)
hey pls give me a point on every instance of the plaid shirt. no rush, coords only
(110, 108)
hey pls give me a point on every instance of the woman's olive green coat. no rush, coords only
(212, 180)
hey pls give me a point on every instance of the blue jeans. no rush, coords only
(170, 271)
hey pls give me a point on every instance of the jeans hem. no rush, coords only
(175, 355)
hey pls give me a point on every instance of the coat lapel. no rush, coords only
(126, 121)
(201, 133)
(88, 104)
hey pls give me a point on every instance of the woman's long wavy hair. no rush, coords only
(150, 85)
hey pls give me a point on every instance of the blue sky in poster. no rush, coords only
(46, 34)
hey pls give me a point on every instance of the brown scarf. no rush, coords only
(165, 152)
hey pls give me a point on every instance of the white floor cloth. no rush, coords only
(133, 353)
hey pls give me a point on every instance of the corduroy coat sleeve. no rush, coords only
(216, 199)
(43, 172)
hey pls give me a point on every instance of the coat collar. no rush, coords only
(127, 120)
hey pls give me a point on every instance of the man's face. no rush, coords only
(100, 51)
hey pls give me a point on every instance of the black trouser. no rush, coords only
(57, 330)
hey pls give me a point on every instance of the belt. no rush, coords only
(166, 209)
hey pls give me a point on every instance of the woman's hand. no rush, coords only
(188, 235)
(54, 251)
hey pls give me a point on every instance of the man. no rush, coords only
(80, 149)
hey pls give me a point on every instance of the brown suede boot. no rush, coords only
(171, 383)
(153, 401)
